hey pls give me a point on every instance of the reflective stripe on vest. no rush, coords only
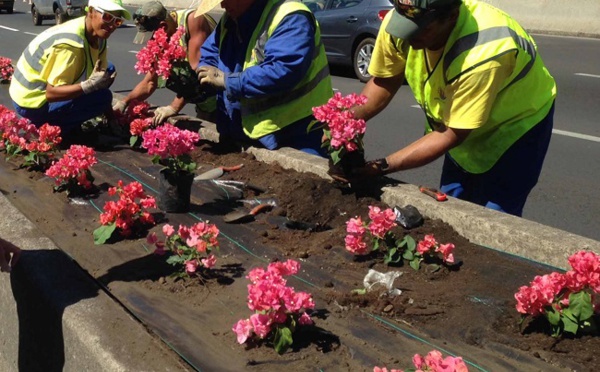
(29, 89)
(484, 33)
(265, 115)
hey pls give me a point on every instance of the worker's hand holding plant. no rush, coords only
(343, 132)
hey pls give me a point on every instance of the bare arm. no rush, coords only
(199, 29)
(379, 93)
(426, 149)
(144, 89)
(63, 92)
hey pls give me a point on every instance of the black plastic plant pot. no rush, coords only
(174, 191)
(184, 82)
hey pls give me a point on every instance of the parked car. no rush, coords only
(60, 10)
(7, 5)
(349, 29)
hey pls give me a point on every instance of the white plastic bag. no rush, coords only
(374, 278)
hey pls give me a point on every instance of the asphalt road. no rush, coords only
(564, 197)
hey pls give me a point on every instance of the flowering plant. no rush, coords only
(171, 147)
(125, 214)
(432, 362)
(6, 69)
(190, 247)
(160, 52)
(379, 231)
(138, 118)
(278, 309)
(567, 300)
(72, 171)
(19, 136)
(344, 133)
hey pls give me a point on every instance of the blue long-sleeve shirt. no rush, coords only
(288, 56)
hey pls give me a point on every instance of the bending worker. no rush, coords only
(149, 18)
(62, 77)
(268, 65)
(486, 94)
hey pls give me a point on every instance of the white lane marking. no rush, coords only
(133, 51)
(31, 33)
(576, 135)
(561, 132)
(8, 28)
(588, 75)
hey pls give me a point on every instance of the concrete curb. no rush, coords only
(54, 317)
(480, 225)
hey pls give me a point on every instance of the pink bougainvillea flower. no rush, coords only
(191, 266)
(243, 329)
(209, 262)
(168, 230)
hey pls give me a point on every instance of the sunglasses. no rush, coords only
(109, 18)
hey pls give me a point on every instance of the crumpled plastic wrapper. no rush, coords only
(375, 278)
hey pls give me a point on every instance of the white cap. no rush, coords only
(110, 6)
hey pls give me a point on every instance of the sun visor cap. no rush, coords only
(206, 6)
(411, 16)
(110, 6)
(148, 19)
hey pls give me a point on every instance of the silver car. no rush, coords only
(349, 29)
(60, 10)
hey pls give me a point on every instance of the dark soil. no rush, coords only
(467, 309)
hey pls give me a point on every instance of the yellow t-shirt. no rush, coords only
(66, 64)
(469, 98)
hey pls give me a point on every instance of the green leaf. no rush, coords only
(389, 255)
(175, 260)
(312, 124)
(375, 244)
(103, 233)
(553, 316)
(569, 324)
(415, 264)
(580, 305)
(133, 140)
(283, 339)
(411, 244)
(408, 255)
(359, 291)
(335, 156)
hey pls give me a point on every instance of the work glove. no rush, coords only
(100, 79)
(163, 113)
(120, 106)
(211, 76)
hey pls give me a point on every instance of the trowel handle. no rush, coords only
(259, 208)
(434, 193)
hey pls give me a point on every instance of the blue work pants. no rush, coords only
(507, 184)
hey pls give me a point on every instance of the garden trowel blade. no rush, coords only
(212, 174)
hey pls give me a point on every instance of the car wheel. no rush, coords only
(362, 59)
(60, 16)
(35, 15)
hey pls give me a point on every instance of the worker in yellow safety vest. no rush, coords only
(63, 76)
(151, 17)
(486, 94)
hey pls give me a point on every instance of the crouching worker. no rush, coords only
(63, 76)
(153, 16)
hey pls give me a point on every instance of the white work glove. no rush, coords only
(120, 106)
(163, 113)
(100, 79)
(211, 76)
